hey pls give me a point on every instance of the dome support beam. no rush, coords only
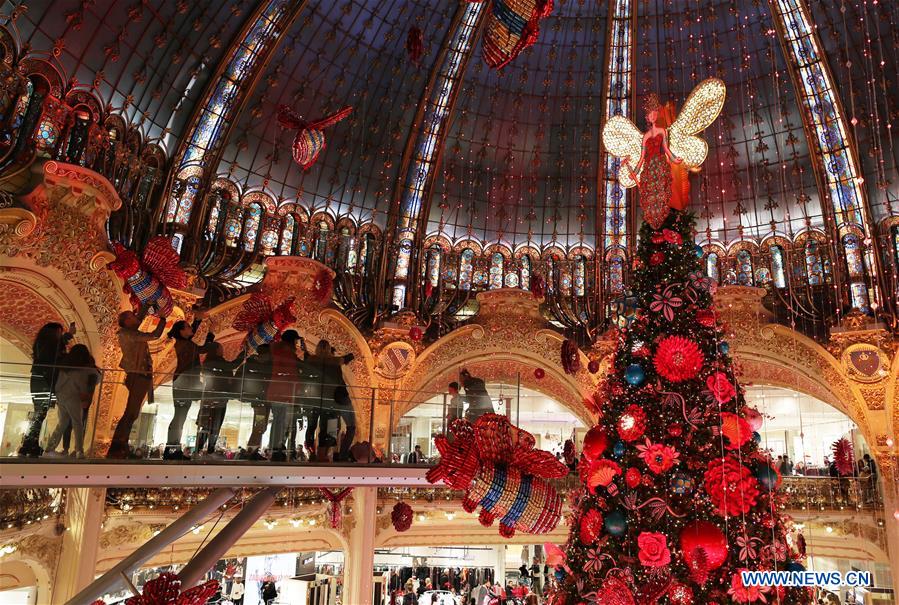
(836, 166)
(411, 202)
(182, 209)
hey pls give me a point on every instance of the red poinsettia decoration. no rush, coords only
(678, 359)
(741, 593)
(166, 590)
(401, 516)
(632, 423)
(731, 486)
(591, 526)
(632, 477)
(658, 457)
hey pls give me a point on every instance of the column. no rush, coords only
(78, 556)
(359, 560)
(889, 486)
(499, 565)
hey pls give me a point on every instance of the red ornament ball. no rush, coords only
(680, 594)
(706, 317)
(401, 516)
(415, 333)
(707, 537)
(678, 359)
(632, 423)
(539, 373)
(632, 477)
(596, 441)
(593, 366)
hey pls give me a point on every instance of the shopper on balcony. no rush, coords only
(48, 348)
(283, 394)
(75, 386)
(479, 402)
(138, 366)
(333, 403)
(253, 384)
(187, 381)
(219, 388)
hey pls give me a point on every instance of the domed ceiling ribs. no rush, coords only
(200, 149)
(836, 164)
(414, 188)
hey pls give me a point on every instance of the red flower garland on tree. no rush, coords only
(731, 486)
(401, 516)
(678, 359)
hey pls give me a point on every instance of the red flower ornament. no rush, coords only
(735, 429)
(731, 486)
(658, 457)
(632, 477)
(678, 359)
(654, 550)
(401, 516)
(706, 318)
(656, 258)
(741, 593)
(632, 423)
(721, 387)
(591, 526)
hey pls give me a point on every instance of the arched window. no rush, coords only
(778, 272)
(580, 275)
(465, 269)
(711, 267)
(288, 227)
(858, 290)
(367, 253)
(511, 278)
(550, 274)
(183, 196)
(78, 136)
(894, 231)
(251, 226)
(615, 276)
(232, 225)
(434, 260)
(215, 213)
(525, 270)
(496, 271)
(743, 268)
(320, 250)
(268, 241)
(346, 253)
(565, 278)
(814, 267)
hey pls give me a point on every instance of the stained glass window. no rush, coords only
(496, 271)
(711, 267)
(366, 254)
(347, 250)
(179, 207)
(511, 279)
(251, 226)
(580, 275)
(526, 272)
(777, 267)
(287, 235)
(434, 255)
(813, 265)
(895, 232)
(480, 278)
(743, 268)
(214, 216)
(616, 275)
(232, 226)
(858, 291)
(267, 242)
(403, 258)
(465, 269)
(321, 242)
(399, 296)
(46, 136)
(565, 279)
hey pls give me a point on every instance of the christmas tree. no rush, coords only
(677, 497)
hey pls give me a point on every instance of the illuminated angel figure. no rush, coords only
(667, 151)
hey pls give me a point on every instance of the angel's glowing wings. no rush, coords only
(623, 140)
(699, 111)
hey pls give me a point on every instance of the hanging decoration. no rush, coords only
(499, 469)
(401, 516)
(148, 278)
(415, 46)
(842, 457)
(310, 139)
(537, 286)
(165, 589)
(335, 517)
(571, 357)
(512, 27)
(262, 323)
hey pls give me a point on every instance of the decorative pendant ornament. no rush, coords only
(499, 469)
(731, 486)
(261, 322)
(415, 47)
(165, 589)
(590, 526)
(593, 366)
(616, 523)
(632, 423)
(148, 279)
(571, 357)
(310, 139)
(704, 548)
(618, 449)
(512, 27)
(632, 477)
(416, 333)
(336, 499)
(842, 456)
(539, 373)
(596, 441)
(601, 473)
(401, 516)
(680, 594)
(735, 430)
(720, 387)
(682, 484)
(724, 348)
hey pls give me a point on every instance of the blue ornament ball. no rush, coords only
(616, 523)
(699, 251)
(634, 374)
(767, 476)
(795, 566)
(560, 574)
(756, 437)
(724, 348)
(682, 483)
(618, 449)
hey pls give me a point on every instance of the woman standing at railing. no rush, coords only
(187, 384)
(49, 347)
(74, 391)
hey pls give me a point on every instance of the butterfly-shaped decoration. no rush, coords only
(666, 302)
(624, 140)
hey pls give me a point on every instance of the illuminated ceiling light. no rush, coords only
(270, 523)
(296, 522)
(421, 518)
(450, 515)
(8, 549)
(829, 529)
(311, 522)
(196, 529)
